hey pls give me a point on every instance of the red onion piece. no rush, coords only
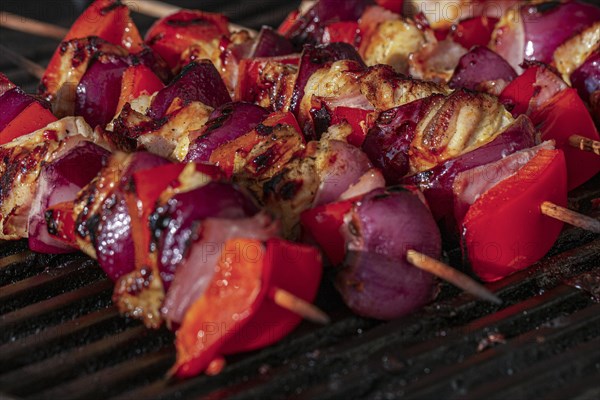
(98, 91)
(312, 59)
(548, 25)
(535, 31)
(369, 181)
(388, 141)
(194, 275)
(175, 223)
(437, 182)
(60, 181)
(269, 43)
(586, 78)
(480, 66)
(343, 166)
(5, 84)
(377, 281)
(12, 103)
(198, 81)
(309, 28)
(225, 124)
(113, 239)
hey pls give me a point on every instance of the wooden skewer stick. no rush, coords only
(20, 61)
(39, 28)
(585, 144)
(158, 9)
(293, 303)
(12, 259)
(451, 275)
(570, 217)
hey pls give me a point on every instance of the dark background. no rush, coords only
(250, 13)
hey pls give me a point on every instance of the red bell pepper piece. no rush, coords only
(517, 94)
(233, 312)
(476, 31)
(231, 298)
(323, 223)
(106, 19)
(172, 35)
(33, 117)
(504, 231)
(224, 156)
(149, 184)
(61, 224)
(137, 80)
(354, 116)
(392, 5)
(294, 268)
(109, 20)
(288, 23)
(250, 70)
(563, 116)
(344, 31)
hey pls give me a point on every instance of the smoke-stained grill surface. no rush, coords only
(61, 337)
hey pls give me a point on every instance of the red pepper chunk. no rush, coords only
(344, 31)
(323, 223)
(563, 116)
(33, 117)
(224, 156)
(172, 35)
(149, 185)
(504, 231)
(288, 23)
(250, 71)
(107, 19)
(292, 267)
(61, 223)
(476, 31)
(235, 312)
(354, 116)
(519, 92)
(229, 301)
(392, 5)
(137, 80)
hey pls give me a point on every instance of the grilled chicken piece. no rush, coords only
(454, 125)
(436, 61)
(21, 163)
(386, 89)
(59, 83)
(168, 137)
(275, 86)
(289, 192)
(303, 174)
(572, 53)
(389, 39)
(339, 79)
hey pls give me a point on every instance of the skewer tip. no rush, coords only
(570, 217)
(451, 275)
(293, 303)
(585, 144)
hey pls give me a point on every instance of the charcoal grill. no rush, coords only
(61, 337)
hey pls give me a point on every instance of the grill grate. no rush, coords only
(74, 345)
(60, 336)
